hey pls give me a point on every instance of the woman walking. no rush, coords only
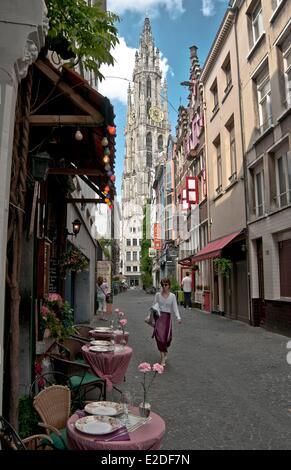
(163, 328)
(101, 299)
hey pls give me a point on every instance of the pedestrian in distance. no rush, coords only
(167, 303)
(101, 299)
(187, 288)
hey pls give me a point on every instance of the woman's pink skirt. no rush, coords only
(163, 331)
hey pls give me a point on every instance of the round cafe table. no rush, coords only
(107, 335)
(111, 366)
(147, 437)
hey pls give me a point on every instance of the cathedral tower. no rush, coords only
(146, 135)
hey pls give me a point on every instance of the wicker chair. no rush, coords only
(80, 379)
(82, 332)
(70, 348)
(10, 439)
(53, 405)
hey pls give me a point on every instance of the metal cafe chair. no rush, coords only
(80, 379)
(10, 439)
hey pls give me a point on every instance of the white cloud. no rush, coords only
(208, 6)
(116, 88)
(174, 7)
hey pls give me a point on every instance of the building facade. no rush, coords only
(225, 166)
(146, 136)
(265, 77)
(22, 35)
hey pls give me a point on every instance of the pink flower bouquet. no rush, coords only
(145, 367)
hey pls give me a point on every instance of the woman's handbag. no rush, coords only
(152, 317)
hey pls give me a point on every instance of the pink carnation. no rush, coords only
(44, 311)
(123, 322)
(144, 367)
(158, 368)
(54, 298)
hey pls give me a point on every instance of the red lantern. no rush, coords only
(106, 189)
(110, 207)
(112, 178)
(111, 130)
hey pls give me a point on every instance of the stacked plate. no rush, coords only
(104, 408)
(101, 348)
(98, 425)
(100, 342)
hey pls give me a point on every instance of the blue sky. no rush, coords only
(176, 25)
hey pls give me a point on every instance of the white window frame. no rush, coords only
(286, 193)
(287, 71)
(259, 171)
(257, 19)
(232, 149)
(218, 166)
(262, 99)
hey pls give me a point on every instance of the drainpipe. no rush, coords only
(245, 177)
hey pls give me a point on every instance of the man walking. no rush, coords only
(187, 288)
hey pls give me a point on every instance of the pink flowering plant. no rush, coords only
(122, 323)
(145, 367)
(57, 316)
(74, 260)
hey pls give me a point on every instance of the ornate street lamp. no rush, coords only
(76, 228)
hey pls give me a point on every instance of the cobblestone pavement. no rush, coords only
(226, 384)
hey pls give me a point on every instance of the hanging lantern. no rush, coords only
(112, 178)
(111, 130)
(109, 173)
(107, 200)
(111, 206)
(107, 168)
(107, 151)
(104, 141)
(107, 189)
(106, 159)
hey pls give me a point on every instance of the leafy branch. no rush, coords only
(89, 30)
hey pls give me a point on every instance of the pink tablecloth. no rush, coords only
(107, 335)
(110, 366)
(146, 437)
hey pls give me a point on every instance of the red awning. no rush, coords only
(213, 249)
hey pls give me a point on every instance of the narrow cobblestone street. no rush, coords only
(226, 384)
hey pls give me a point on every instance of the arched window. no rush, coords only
(149, 147)
(146, 56)
(149, 88)
(160, 143)
(148, 108)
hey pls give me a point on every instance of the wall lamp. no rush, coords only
(76, 228)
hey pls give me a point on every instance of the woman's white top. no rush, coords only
(168, 304)
(100, 292)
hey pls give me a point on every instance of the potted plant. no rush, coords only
(109, 304)
(57, 318)
(223, 266)
(74, 260)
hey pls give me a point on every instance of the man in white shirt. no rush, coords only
(187, 288)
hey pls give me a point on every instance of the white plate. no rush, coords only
(104, 408)
(97, 425)
(99, 342)
(101, 348)
(103, 328)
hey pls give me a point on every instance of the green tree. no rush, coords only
(89, 30)
(146, 263)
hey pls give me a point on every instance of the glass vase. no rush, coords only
(144, 409)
